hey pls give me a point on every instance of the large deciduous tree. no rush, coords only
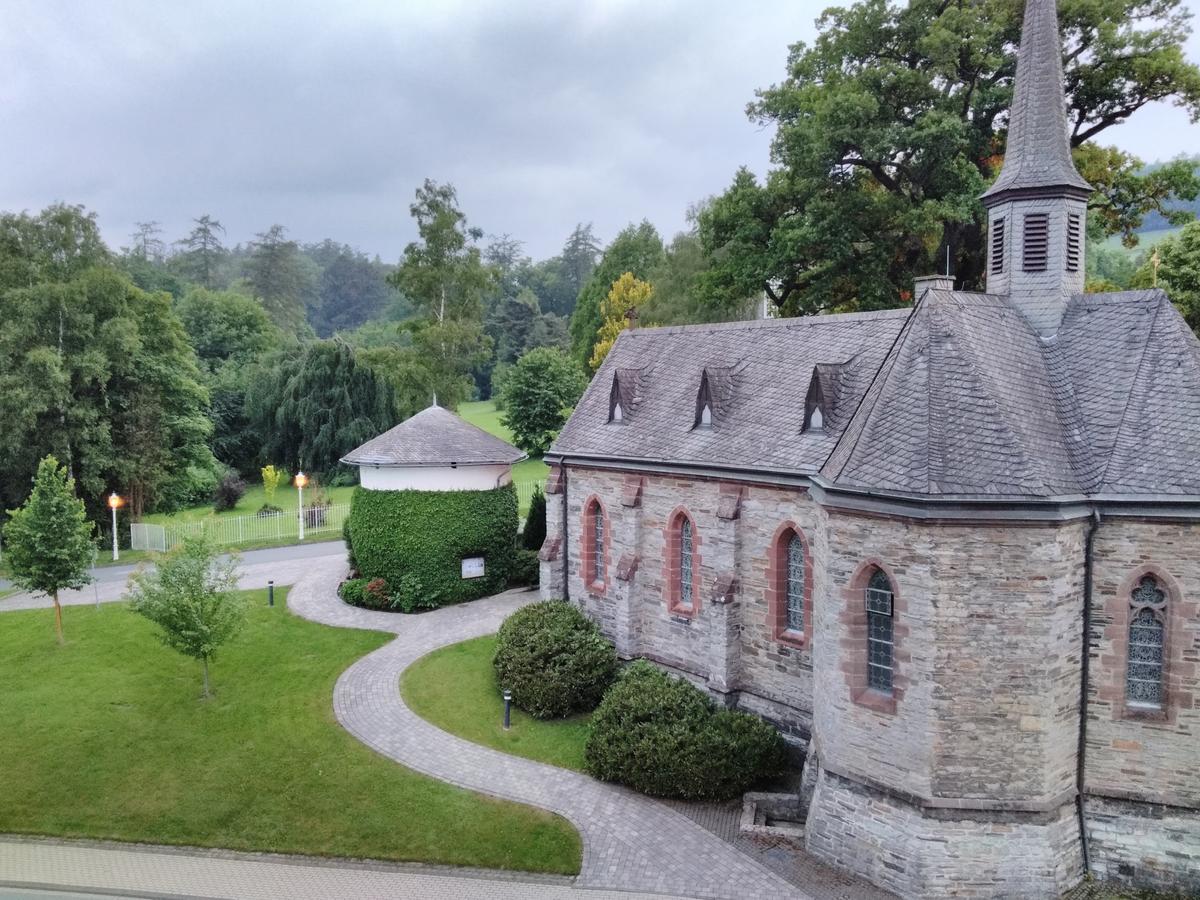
(101, 374)
(623, 306)
(1175, 267)
(49, 539)
(58, 244)
(891, 124)
(538, 393)
(444, 277)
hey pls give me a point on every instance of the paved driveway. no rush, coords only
(283, 565)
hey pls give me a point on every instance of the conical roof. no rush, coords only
(1038, 154)
(434, 437)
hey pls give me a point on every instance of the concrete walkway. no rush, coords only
(283, 565)
(631, 843)
(166, 873)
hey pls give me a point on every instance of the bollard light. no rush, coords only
(301, 481)
(507, 709)
(270, 593)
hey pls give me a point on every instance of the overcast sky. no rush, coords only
(325, 116)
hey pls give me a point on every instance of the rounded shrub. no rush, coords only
(553, 659)
(664, 737)
(352, 590)
(427, 535)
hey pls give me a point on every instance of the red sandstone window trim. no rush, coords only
(1120, 611)
(590, 566)
(853, 645)
(672, 562)
(777, 586)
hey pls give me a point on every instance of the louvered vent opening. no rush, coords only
(997, 246)
(1037, 242)
(1074, 241)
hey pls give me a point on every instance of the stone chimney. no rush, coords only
(926, 283)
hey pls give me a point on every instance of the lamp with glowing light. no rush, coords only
(114, 503)
(301, 481)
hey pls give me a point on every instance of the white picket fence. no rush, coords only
(320, 523)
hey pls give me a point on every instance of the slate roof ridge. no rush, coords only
(847, 441)
(1162, 298)
(789, 322)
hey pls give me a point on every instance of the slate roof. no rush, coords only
(759, 374)
(958, 397)
(434, 437)
(1038, 153)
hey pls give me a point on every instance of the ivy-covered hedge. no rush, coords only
(417, 540)
(664, 737)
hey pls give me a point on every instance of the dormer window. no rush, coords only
(616, 414)
(816, 419)
(821, 397)
(704, 415)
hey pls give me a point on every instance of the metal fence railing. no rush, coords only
(278, 527)
(275, 527)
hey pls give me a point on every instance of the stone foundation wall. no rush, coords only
(942, 853)
(1143, 844)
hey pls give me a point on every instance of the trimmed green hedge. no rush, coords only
(416, 541)
(553, 659)
(664, 737)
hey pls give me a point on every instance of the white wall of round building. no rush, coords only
(434, 478)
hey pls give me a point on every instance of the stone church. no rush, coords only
(952, 550)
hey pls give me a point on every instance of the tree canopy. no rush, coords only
(540, 390)
(891, 124)
(48, 541)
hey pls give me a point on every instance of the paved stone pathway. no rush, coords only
(180, 874)
(631, 843)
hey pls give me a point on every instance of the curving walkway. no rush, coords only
(630, 842)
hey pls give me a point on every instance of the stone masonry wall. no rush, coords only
(728, 643)
(1143, 767)
(944, 854)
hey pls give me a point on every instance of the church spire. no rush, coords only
(1037, 157)
(1038, 206)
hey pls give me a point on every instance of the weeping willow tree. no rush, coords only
(313, 408)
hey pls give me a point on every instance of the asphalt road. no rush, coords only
(283, 565)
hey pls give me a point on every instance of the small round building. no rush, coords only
(435, 514)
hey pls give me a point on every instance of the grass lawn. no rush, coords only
(455, 689)
(106, 737)
(253, 500)
(483, 414)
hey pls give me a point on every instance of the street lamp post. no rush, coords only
(301, 481)
(114, 503)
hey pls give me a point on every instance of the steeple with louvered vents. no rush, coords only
(1036, 207)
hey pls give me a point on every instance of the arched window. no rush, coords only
(686, 562)
(595, 550)
(880, 600)
(681, 564)
(794, 588)
(597, 543)
(1147, 638)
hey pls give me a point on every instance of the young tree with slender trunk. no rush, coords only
(192, 596)
(49, 539)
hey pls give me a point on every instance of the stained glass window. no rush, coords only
(685, 561)
(1147, 631)
(597, 543)
(879, 601)
(795, 583)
